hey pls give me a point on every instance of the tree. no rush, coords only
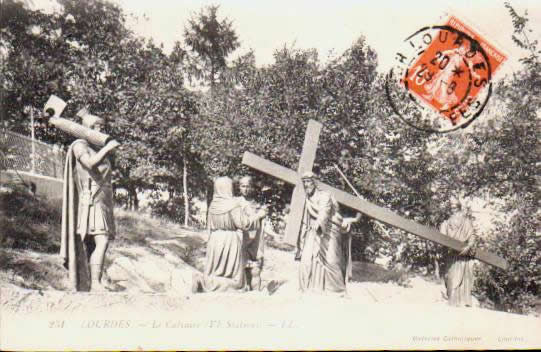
(32, 61)
(154, 114)
(511, 172)
(265, 110)
(210, 41)
(65, 53)
(87, 56)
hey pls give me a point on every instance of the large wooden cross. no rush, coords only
(373, 211)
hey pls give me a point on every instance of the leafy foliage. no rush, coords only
(87, 56)
(210, 41)
(516, 289)
(171, 209)
(511, 172)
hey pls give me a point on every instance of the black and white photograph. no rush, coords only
(256, 175)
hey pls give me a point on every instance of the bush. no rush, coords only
(28, 222)
(517, 288)
(171, 209)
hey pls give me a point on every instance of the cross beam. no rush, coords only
(371, 210)
(306, 162)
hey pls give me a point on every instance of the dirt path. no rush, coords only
(253, 320)
(374, 315)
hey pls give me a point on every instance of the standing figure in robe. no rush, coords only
(87, 212)
(323, 245)
(226, 259)
(459, 275)
(254, 245)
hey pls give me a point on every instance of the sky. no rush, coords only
(264, 25)
(332, 25)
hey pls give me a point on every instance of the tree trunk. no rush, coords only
(132, 199)
(185, 187)
(210, 194)
(428, 258)
(436, 268)
(127, 205)
(135, 201)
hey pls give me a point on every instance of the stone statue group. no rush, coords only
(236, 225)
(236, 242)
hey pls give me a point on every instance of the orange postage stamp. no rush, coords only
(449, 69)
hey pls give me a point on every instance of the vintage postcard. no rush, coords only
(255, 175)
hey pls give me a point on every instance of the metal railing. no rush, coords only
(21, 153)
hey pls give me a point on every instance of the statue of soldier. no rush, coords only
(87, 214)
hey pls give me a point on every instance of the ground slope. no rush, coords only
(150, 266)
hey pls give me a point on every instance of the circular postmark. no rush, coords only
(441, 80)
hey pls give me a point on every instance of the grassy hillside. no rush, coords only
(30, 242)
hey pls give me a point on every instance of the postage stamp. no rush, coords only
(442, 77)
